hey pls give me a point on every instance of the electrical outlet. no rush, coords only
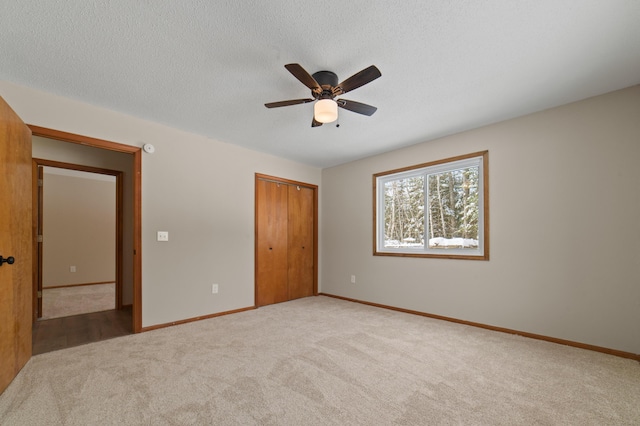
(163, 236)
(353, 279)
(214, 288)
(72, 269)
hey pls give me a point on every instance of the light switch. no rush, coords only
(163, 235)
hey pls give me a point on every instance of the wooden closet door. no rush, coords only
(301, 241)
(271, 243)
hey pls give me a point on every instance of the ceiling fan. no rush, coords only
(325, 87)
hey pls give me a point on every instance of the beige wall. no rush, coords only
(565, 202)
(79, 229)
(199, 190)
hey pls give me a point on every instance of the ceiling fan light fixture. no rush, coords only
(325, 110)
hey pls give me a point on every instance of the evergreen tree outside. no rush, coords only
(451, 204)
(404, 211)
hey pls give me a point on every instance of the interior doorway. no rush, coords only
(127, 316)
(79, 256)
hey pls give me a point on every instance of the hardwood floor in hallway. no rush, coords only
(59, 333)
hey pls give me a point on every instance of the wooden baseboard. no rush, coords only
(77, 285)
(169, 324)
(609, 351)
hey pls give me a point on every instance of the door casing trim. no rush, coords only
(37, 226)
(137, 202)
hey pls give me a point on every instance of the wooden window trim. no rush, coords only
(485, 195)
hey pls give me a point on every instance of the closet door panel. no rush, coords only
(301, 241)
(271, 243)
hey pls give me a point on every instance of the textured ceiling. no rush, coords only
(208, 66)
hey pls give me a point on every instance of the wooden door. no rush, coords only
(286, 240)
(15, 241)
(300, 241)
(271, 243)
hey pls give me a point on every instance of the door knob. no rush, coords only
(8, 260)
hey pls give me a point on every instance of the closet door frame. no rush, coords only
(282, 181)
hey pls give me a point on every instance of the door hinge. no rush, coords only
(39, 295)
(40, 183)
(39, 238)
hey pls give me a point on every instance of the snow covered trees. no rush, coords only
(432, 206)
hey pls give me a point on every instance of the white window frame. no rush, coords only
(478, 159)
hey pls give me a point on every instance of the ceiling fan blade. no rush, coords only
(315, 123)
(287, 103)
(361, 78)
(358, 107)
(304, 77)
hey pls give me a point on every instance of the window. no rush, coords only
(437, 209)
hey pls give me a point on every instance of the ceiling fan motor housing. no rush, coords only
(327, 80)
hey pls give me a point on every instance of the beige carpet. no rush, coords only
(322, 361)
(76, 300)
